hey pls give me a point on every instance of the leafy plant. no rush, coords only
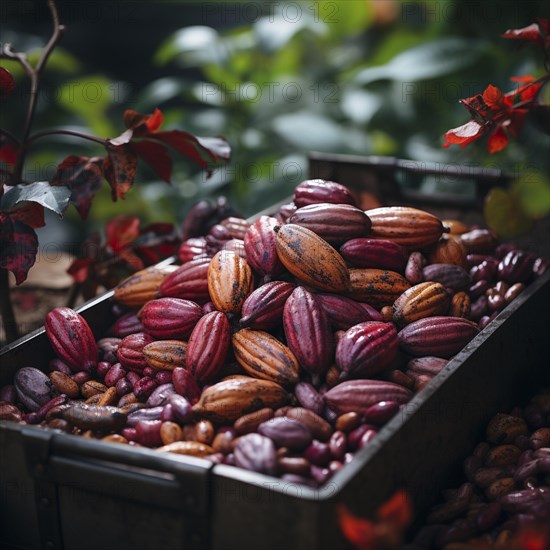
(499, 116)
(387, 531)
(78, 179)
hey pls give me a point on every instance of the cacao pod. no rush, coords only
(374, 253)
(422, 300)
(263, 308)
(227, 400)
(335, 223)
(230, 281)
(260, 248)
(344, 312)
(358, 395)
(165, 354)
(142, 286)
(366, 349)
(409, 227)
(188, 282)
(262, 356)
(208, 346)
(308, 333)
(130, 351)
(316, 190)
(439, 336)
(311, 259)
(377, 287)
(71, 338)
(169, 318)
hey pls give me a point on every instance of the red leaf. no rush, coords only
(7, 83)
(498, 140)
(517, 120)
(154, 254)
(360, 532)
(80, 269)
(493, 97)
(524, 78)
(18, 247)
(156, 156)
(143, 123)
(397, 510)
(8, 153)
(120, 168)
(8, 159)
(29, 213)
(525, 93)
(476, 106)
(84, 176)
(154, 122)
(194, 148)
(531, 33)
(120, 231)
(159, 228)
(464, 134)
(132, 259)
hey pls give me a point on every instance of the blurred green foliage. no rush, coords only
(280, 79)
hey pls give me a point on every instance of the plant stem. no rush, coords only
(34, 75)
(81, 135)
(6, 308)
(10, 136)
(74, 291)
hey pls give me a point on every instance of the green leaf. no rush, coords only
(533, 190)
(60, 60)
(52, 197)
(431, 60)
(343, 19)
(504, 214)
(90, 97)
(192, 45)
(276, 31)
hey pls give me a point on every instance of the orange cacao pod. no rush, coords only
(262, 356)
(377, 287)
(311, 259)
(422, 300)
(142, 286)
(230, 281)
(406, 226)
(165, 354)
(460, 305)
(448, 251)
(229, 399)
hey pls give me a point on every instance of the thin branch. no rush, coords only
(7, 53)
(34, 76)
(45, 133)
(58, 30)
(10, 136)
(6, 308)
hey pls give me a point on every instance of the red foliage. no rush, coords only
(18, 246)
(496, 114)
(7, 83)
(392, 519)
(499, 115)
(127, 248)
(538, 33)
(84, 177)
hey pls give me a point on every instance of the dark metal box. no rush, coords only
(64, 492)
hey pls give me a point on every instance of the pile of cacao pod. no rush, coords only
(280, 346)
(505, 498)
